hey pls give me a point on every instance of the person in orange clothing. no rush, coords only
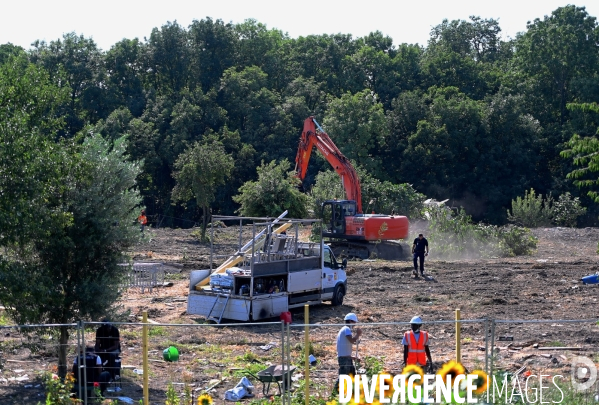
(142, 219)
(415, 346)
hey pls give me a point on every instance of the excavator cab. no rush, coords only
(334, 213)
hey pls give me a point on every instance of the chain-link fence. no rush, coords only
(213, 358)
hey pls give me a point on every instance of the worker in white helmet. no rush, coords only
(415, 345)
(345, 339)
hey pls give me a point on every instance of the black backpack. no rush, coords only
(91, 369)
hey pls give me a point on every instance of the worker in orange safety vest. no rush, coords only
(143, 220)
(415, 346)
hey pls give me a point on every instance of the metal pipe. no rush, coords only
(81, 348)
(486, 329)
(288, 364)
(458, 337)
(240, 235)
(283, 357)
(492, 346)
(84, 345)
(211, 241)
(307, 354)
(317, 125)
(146, 390)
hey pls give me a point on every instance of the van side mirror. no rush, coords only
(344, 263)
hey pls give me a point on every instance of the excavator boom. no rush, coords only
(314, 135)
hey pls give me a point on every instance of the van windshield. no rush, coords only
(329, 259)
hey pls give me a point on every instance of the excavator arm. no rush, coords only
(314, 135)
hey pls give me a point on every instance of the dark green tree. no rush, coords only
(76, 63)
(357, 125)
(584, 153)
(72, 270)
(198, 172)
(275, 191)
(553, 53)
(124, 76)
(213, 50)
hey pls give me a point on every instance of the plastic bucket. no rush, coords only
(170, 354)
(286, 317)
(593, 279)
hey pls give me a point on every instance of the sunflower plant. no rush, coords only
(455, 369)
(205, 399)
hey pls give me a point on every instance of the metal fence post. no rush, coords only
(283, 359)
(82, 359)
(307, 354)
(79, 350)
(146, 370)
(486, 329)
(458, 337)
(289, 363)
(492, 345)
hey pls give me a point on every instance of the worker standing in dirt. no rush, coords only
(415, 346)
(345, 339)
(419, 250)
(142, 219)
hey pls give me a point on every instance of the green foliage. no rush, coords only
(454, 235)
(72, 271)
(373, 365)
(172, 398)
(356, 123)
(566, 210)
(583, 152)
(275, 191)
(199, 171)
(58, 390)
(467, 116)
(532, 210)
(516, 241)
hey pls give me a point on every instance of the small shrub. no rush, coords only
(516, 241)
(531, 211)
(566, 210)
(58, 391)
(453, 234)
(171, 395)
(373, 365)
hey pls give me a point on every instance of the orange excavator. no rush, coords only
(351, 233)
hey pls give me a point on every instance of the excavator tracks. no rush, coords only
(383, 250)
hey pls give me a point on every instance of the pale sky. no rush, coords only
(109, 21)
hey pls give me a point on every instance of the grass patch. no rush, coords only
(157, 331)
(249, 369)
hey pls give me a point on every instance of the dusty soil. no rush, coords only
(544, 286)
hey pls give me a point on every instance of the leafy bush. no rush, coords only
(531, 211)
(275, 191)
(516, 241)
(566, 210)
(534, 210)
(453, 234)
(58, 390)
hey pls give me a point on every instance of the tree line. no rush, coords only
(470, 116)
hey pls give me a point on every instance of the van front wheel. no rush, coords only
(338, 295)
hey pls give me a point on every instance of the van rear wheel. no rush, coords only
(338, 295)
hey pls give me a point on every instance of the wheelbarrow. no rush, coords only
(274, 374)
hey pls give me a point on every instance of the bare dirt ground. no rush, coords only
(544, 286)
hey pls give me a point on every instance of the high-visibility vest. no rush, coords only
(416, 353)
